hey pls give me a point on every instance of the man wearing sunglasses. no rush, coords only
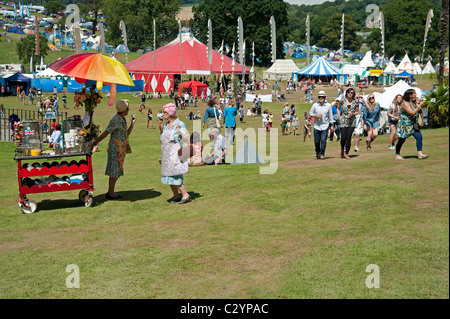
(323, 120)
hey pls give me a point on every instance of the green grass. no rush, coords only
(307, 231)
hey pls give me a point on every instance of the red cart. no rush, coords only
(59, 166)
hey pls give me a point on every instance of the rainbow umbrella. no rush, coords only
(95, 67)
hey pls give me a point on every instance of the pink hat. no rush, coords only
(170, 108)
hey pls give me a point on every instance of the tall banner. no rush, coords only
(342, 36)
(124, 37)
(307, 39)
(77, 38)
(38, 48)
(154, 41)
(273, 33)
(381, 17)
(253, 61)
(102, 38)
(210, 41)
(181, 51)
(427, 28)
(221, 66)
(240, 30)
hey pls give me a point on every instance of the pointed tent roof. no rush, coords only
(367, 62)
(428, 69)
(194, 58)
(405, 65)
(390, 68)
(319, 68)
(417, 68)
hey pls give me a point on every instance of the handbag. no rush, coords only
(217, 121)
(420, 119)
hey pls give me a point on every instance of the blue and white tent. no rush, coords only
(319, 68)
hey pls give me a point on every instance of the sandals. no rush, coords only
(399, 158)
(109, 197)
(423, 156)
(183, 201)
(175, 200)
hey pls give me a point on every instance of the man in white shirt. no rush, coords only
(323, 120)
(220, 148)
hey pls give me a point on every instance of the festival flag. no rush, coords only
(252, 70)
(102, 38)
(209, 47)
(427, 28)
(381, 18)
(221, 57)
(154, 41)
(240, 30)
(307, 39)
(29, 131)
(124, 37)
(342, 35)
(181, 49)
(273, 33)
(38, 49)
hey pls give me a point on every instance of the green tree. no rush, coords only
(91, 7)
(138, 17)
(405, 28)
(331, 33)
(255, 15)
(27, 46)
(54, 6)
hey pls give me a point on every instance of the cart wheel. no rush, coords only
(81, 195)
(87, 198)
(28, 206)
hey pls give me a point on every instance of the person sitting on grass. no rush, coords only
(197, 145)
(220, 148)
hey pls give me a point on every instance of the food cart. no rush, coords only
(61, 169)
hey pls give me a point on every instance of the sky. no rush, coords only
(306, 2)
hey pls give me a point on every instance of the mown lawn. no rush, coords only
(307, 231)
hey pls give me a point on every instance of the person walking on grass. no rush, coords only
(173, 167)
(307, 128)
(295, 123)
(393, 114)
(349, 110)
(323, 121)
(150, 117)
(407, 124)
(371, 118)
(118, 145)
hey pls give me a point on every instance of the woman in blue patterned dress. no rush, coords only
(117, 147)
(371, 119)
(405, 125)
(173, 167)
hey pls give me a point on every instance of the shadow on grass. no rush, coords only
(131, 196)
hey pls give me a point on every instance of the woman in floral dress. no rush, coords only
(349, 110)
(173, 167)
(117, 147)
(406, 124)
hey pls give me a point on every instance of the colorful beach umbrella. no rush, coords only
(93, 66)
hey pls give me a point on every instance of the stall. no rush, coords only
(45, 171)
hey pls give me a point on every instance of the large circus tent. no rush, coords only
(159, 67)
(320, 68)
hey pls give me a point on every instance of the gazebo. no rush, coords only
(193, 88)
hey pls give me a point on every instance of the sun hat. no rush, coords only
(121, 105)
(321, 93)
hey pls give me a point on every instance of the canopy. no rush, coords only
(193, 87)
(367, 62)
(281, 68)
(192, 59)
(403, 74)
(319, 68)
(17, 77)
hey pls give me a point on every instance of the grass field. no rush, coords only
(307, 231)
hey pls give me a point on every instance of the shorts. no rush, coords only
(270, 124)
(392, 122)
(358, 130)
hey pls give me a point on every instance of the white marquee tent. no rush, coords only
(281, 69)
(417, 68)
(385, 99)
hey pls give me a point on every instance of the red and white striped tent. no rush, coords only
(158, 73)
